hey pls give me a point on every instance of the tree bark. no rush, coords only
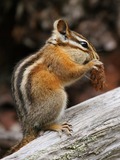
(96, 133)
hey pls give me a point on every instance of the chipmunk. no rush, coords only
(39, 81)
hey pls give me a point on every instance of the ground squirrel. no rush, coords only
(39, 80)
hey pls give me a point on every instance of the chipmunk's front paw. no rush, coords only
(94, 64)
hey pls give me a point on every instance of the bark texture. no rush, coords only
(96, 133)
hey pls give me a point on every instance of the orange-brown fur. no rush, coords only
(62, 63)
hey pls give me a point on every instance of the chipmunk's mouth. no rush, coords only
(86, 61)
(87, 58)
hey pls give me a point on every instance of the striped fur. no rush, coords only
(38, 81)
(72, 39)
(20, 81)
(21, 84)
(17, 79)
(24, 82)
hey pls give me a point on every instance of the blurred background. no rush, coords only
(24, 28)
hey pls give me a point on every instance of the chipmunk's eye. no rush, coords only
(84, 44)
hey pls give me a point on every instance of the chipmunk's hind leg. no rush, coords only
(64, 127)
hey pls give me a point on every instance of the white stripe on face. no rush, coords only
(80, 39)
(57, 36)
(77, 45)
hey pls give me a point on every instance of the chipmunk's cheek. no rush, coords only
(82, 58)
(88, 57)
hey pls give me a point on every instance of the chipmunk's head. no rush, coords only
(71, 41)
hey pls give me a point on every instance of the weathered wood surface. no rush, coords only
(96, 134)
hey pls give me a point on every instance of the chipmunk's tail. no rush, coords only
(28, 137)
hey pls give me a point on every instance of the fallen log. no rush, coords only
(96, 133)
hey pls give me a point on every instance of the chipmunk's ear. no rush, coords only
(61, 26)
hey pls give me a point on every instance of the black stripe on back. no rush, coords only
(19, 80)
(19, 112)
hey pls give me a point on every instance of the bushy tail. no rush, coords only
(26, 139)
